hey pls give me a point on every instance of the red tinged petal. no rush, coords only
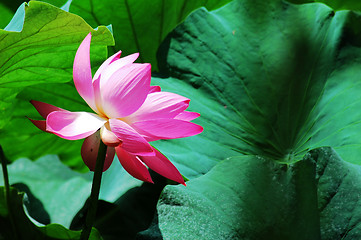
(133, 165)
(82, 72)
(89, 152)
(44, 109)
(160, 164)
(73, 125)
(153, 89)
(41, 124)
(132, 141)
(166, 129)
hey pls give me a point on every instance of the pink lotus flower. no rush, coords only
(128, 112)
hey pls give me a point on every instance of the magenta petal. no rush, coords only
(160, 105)
(187, 116)
(73, 125)
(167, 128)
(153, 89)
(133, 165)
(82, 72)
(106, 63)
(160, 164)
(132, 141)
(89, 152)
(44, 109)
(125, 91)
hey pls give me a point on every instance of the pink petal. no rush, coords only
(73, 125)
(187, 116)
(125, 91)
(44, 109)
(132, 141)
(82, 72)
(153, 89)
(89, 152)
(160, 105)
(41, 124)
(166, 129)
(106, 73)
(101, 77)
(160, 164)
(133, 165)
(106, 63)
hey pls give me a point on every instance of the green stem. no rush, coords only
(7, 191)
(90, 217)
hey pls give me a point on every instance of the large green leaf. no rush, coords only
(250, 197)
(16, 225)
(280, 79)
(49, 38)
(139, 25)
(269, 78)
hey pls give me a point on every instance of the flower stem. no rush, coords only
(90, 217)
(7, 191)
